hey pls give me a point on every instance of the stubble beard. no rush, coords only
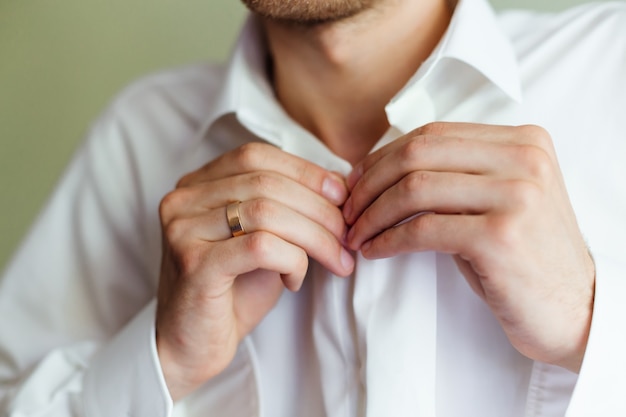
(307, 12)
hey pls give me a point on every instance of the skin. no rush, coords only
(491, 196)
(214, 288)
(335, 79)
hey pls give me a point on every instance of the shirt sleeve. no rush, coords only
(125, 377)
(122, 377)
(602, 381)
(77, 300)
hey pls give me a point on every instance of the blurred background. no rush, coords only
(61, 61)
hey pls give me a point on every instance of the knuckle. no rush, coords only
(415, 152)
(415, 148)
(536, 162)
(170, 205)
(433, 129)
(249, 156)
(522, 194)
(536, 135)
(175, 230)
(541, 168)
(503, 231)
(415, 183)
(258, 245)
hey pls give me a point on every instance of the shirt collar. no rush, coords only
(473, 37)
(246, 91)
(473, 40)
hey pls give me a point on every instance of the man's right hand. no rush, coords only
(215, 288)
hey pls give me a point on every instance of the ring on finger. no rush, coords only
(234, 219)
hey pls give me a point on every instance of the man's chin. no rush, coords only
(305, 12)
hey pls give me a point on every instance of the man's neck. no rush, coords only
(335, 79)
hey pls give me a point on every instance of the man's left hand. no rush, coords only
(494, 198)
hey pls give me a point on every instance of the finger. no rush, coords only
(422, 154)
(197, 199)
(513, 135)
(264, 157)
(265, 215)
(424, 191)
(260, 250)
(318, 242)
(446, 233)
(447, 155)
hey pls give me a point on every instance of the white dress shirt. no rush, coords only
(403, 336)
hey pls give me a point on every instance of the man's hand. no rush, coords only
(215, 288)
(493, 197)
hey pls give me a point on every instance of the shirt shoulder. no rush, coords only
(526, 22)
(183, 95)
(573, 54)
(593, 30)
(147, 134)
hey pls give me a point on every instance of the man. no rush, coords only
(379, 159)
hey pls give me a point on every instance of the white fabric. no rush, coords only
(403, 336)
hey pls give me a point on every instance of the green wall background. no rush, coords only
(62, 60)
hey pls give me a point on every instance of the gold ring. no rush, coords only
(234, 219)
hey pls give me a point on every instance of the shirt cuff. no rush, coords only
(125, 377)
(602, 381)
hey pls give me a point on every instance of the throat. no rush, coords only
(336, 79)
(350, 131)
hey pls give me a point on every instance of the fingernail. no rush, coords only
(347, 261)
(333, 190)
(365, 247)
(354, 176)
